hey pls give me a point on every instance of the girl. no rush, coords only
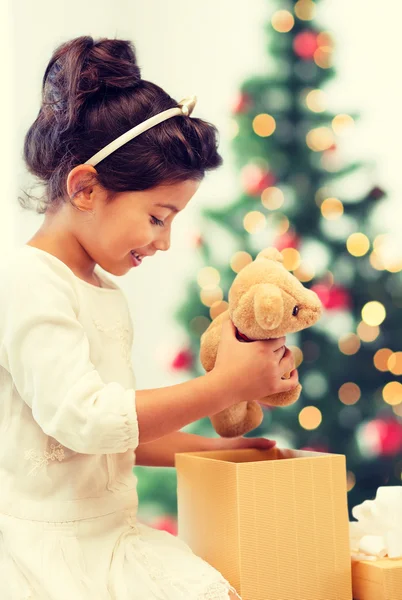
(72, 425)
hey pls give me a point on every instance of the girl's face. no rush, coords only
(133, 224)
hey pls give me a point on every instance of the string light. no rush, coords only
(305, 10)
(392, 393)
(395, 363)
(272, 198)
(291, 258)
(341, 123)
(282, 21)
(316, 100)
(332, 209)
(254, 221)
(349, 344)
(358, 244)
(373, 313)
(264, 125)
(240, 260)
(310, 417)
(376, 262)
(218, 308)
(367, 333)
(320, 139)
(381, 359)
(349, 393)
(208, 277)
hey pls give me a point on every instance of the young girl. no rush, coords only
(72, 425)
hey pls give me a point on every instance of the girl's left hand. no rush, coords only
(241, 443)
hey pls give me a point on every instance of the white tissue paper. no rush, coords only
(377, 533)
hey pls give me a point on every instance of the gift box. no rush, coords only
(376, 546)
(273, 522)
(377, 580)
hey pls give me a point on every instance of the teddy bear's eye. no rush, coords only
(295, 311)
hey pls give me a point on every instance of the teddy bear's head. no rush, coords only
(267, 301)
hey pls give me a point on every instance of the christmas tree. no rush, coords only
(296, 193)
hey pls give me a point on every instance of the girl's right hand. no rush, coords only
(253, 370)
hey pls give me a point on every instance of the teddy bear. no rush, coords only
(265, 301)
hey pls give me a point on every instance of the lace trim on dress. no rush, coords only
(119, 332)
(41, 460)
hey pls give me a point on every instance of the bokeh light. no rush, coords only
(323, 57)
(282, 225)
(320, 139)
(199, 324)
(316, 100)
(373, 313)
(305, 272)
(209, 295)
(305, 10)
(358, 244)
(395, 363)
(282, 21)
(264, 125)
(349, 344)
(350, 481)
(367, 333)
(392, 393)
(218, 308)
(297, 355)
(349, 393)
(254, 221)
(240, 260)
(310, 417)
(291, 258)
(272, 198)
(341, 124)
(208, 277)
(381, 359)
(332, 209)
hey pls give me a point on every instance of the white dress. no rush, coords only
(68, 434)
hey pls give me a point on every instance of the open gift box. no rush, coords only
(273, 522)
(377, 580)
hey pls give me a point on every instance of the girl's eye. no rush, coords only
(156, 221)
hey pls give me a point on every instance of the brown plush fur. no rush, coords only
(262, 299)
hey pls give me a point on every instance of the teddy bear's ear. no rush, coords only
(271, 254)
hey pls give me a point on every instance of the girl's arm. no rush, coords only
(163, 411)
(160, 453)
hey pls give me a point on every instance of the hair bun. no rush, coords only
(83, 68)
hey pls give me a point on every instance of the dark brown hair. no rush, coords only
(92, 92)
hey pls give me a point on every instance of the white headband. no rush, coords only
(185, 107)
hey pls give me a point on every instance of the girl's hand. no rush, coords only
(241, 443)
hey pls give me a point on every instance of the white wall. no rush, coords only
(205, 48)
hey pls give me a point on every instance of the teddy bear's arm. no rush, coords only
(210, 341)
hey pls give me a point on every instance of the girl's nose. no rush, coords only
(163, 241)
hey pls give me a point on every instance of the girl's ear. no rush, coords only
(80, 184)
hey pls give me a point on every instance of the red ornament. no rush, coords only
(242, 103)
(183, 361)
(256, 179)
(166, 523)
(287, 240)
(305, 44)
(332, 297)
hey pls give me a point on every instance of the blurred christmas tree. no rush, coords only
(295, 193)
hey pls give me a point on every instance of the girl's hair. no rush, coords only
(92, 92)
